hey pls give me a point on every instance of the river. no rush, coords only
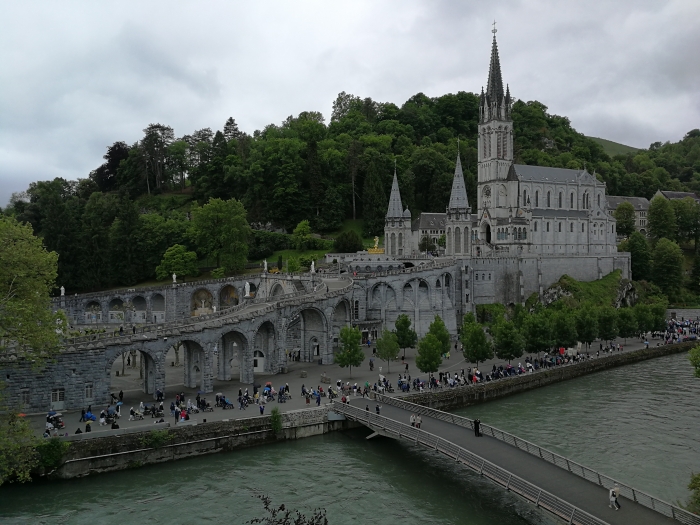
(638, 423)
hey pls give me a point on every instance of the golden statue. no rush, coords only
(376, 248)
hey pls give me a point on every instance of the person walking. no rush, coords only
(477, 424)
(413, 420)
(82, 416)
(318, 400)
(614, 504)
(377, 408)
(121, 395)
(418, 421)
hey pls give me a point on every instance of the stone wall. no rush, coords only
(459, 397)
(123, 451)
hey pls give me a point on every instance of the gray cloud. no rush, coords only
(79, 77)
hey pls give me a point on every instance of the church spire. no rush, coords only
(395, 210)
(458, 197)
(494, 101)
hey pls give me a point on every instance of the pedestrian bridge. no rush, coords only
(563, 488)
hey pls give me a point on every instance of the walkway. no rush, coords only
(488, 455)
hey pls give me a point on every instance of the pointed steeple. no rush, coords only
(495, 103)
(458, 197)
(395, 210)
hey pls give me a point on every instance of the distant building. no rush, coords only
(676, 195)
(641, 208)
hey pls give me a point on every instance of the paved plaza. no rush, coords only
(133, 395)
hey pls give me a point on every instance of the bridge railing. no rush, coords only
(540, 498)
(638, 496)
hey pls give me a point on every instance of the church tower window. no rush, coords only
(571, 227)
(537, 199)
(583, 227)
(572, 201)
(547, 226)
(535, 225)
(599, 200)
(549, 199)
(560, 199)
(559, 227)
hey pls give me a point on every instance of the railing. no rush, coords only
(644, 499)
(540, 498)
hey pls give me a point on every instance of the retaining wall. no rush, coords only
(123, 451)
(470, 395)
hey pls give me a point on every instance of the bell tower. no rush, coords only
(495, 141)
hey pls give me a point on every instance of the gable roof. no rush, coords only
(639, 203)
(525, 172)
(675, 195)
(431, 221)
(395, 210)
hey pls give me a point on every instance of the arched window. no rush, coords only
(571, 227)
(549, 199)
(583, 227)
(559, 227)
(476, 275)
(537, 199)
(612, 229)
(560, 199)
(547, 226)
(599, 200)
(535, 225)
(524, 233)
(524, 197)
(572, 201)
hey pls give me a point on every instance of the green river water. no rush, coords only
(637, 423)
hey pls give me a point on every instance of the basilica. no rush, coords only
(538, 222)
(518, 209)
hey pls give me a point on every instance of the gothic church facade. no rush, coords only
(538, 222)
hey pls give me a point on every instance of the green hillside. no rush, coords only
(614, 148)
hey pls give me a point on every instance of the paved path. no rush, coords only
(583, 494)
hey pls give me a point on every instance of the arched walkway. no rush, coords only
(202, 302)
(232, 348)
(276, 290)
(228, 296)
(307, 329)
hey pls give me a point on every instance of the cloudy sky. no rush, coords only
(78, 76)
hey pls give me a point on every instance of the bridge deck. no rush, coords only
(583, 494)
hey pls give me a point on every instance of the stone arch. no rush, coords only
(151, 363)
(93, 312)
(116, 310)
(447, 285)
(341, 313)
(234, 347)
(195, 365)
(265, 348)
(408, 295)
(306, 324)
(202, 302)
(228, 296)
(277, 290)
(158, 307)
(423, 294)
(382, 296)
(140, 312)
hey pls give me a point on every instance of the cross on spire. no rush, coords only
(494, 30)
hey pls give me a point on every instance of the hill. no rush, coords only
(614, 148)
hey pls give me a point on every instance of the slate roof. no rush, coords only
(458, 196)
(395, 209)
(526, 172)
(429, 221)
(675, 195)
(639, 203)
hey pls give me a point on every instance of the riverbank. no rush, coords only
(147, 446)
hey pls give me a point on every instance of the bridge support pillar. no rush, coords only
(159, 378)
(207, 374)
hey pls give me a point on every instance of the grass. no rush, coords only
(614, 148)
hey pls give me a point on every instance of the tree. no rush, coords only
(350, 353)
(442, 241)
(662, 219)
(693, 504)
(537, 331)
(694, 357)
(388, 347)
(220, 230)
(507, 341)
(426, 244)
(439, 330)
(607, 323)
(284, 516)
(587, 325)
(476, 347)
(565, 333)
(428, 357)
(293, 264)
(374, 201)
(644, 318)
(625, 216)
(177, 260)
(17, 448)
(348, 242)
(687, 213)
(27, 277)
(641, 257)
(406, 336)
(626, 323)
(302, 235)
(668, 266)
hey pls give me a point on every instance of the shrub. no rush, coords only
(348, 242)
(155, 439)
(51, 452)
(276, 420)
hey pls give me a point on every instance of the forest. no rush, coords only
(113, 227)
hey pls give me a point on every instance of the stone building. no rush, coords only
(641, 209)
